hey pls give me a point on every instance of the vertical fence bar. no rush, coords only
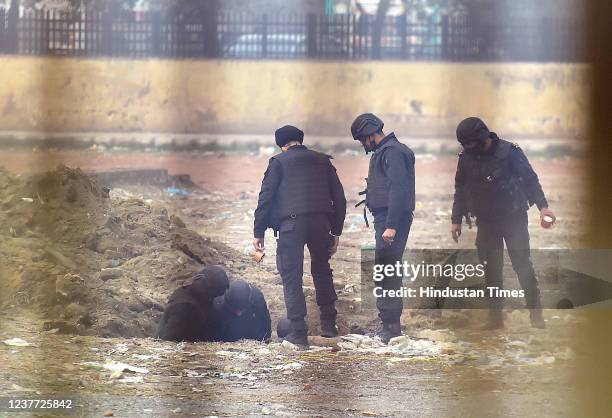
(444, 40)
(209, 32)
(311, 35)
(156, 34)
(402, 21)
(264, 36)
(2, 31)
(12, 38)
(107, 33)
(42, 34)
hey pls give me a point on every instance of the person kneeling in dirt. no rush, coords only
(187, 314)
(241, 313)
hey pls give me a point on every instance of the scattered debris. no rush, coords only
(17, 342)
(440, 335)
(131, 379)
(175, 191)
(16, 388)
(116, 368)
(289, 346)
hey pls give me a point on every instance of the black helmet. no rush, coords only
(238, 295)
(365, 125)
(283, 328)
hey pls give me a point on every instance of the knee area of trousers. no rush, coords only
(321, 270)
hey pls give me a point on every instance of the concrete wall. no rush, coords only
(414, 99)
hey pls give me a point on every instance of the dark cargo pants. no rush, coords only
(490, 243)
(312, 230)
(390, 308)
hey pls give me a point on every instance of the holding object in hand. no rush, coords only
(259, 256)
(258, 245)
(547, 218)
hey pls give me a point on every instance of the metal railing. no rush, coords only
(266, 36)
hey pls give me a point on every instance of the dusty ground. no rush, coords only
(518, 373)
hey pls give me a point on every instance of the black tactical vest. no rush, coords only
(304, 187)
(377, 192)
(492, 188)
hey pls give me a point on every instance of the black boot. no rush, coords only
(495, 320)
(329, 329)
(536, 318)
(328, 321)
(390, 330)
(298, 334)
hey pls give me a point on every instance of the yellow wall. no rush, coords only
(414, 99)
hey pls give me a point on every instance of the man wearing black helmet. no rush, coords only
(241, 313)
(390, 199)
(302, 199)
(496, 184)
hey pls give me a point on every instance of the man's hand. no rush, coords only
(258, 244)
(334, 245)
(456, 232)
(389, 235)
(547, 218)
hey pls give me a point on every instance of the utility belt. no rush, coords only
(279, 221)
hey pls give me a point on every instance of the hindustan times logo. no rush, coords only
(411, 271)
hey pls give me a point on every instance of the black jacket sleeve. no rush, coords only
(459, 203)
(262, 330)
(529, 178)
(400, 173)
(267, 194)
(338, 200)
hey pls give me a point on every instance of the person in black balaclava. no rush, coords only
(496, 184)
(241, 313)
(187, 313)
(390, 198)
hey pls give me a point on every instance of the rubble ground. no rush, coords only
(86, 271)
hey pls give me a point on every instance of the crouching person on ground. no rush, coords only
(188, 310)
(241, 313)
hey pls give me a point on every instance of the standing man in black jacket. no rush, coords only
(390, 199)
(496, 184)
(302, 199)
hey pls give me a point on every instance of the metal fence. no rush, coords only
(246, 36)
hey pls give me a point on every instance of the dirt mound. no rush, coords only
(90, 263)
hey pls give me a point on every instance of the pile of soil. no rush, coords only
(89, 263)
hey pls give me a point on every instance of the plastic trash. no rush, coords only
(175, 191)
(17, 342)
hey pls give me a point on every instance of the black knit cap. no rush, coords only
(472, 129)
(211, 281)
(287, 134)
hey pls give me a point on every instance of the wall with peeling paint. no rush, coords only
(414, 99)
